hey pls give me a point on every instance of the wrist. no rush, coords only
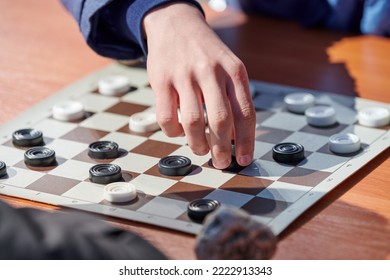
(169, 16)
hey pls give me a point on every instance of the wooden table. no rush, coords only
(41, 51)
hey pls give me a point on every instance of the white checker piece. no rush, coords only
(124, 140)
(67, 148)
(142, 96)
(164, 207)
(344, 143)
(97, 103)
(136, 162)
(374, 116)
(323, 162)
(72, 169)
(118, 192)
(266, 169)
(68, 110)
(86, 191)
(10, 155)
(285, 121)
(284, 192)
(112, 85)
(152, 185)
(311, 142)
(229, 198)
(21, 177)
(208, 177)
(145, 121)
(105, 121)
(53, 128)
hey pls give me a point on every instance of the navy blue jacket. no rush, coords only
(113, 28)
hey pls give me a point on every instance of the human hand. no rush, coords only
(188, 65)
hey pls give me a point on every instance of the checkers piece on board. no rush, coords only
(103, 150)
(114, 85)
(374, 117)
(198, 209)
(27, 137)
(288, 152)
(299, 102)
(39, 156)
(105, 173)
(119, 192)
(3, 169)
(68, 111)
(143, 122)
(174, 165)
(321, 116)
(344, 143)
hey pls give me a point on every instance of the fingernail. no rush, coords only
(221, 164)
(245, 160)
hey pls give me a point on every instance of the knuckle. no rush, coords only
(192, 119)
(239, 71)
(166, 121)
(247, 114)
(221, 119)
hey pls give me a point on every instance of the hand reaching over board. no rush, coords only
(188, 65)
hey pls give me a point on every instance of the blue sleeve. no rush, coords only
(113, 28)
(368, 17)
(376, 17)
(365, 16)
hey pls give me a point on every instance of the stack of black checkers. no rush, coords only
(105, 173)
(288, 152)
(175, 165)
(103, 150)
(198, 209)
(27, 137)
(38, 155)
(3, 169)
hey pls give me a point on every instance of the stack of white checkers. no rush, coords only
(70, 110)
(326, 116)
(119, 192)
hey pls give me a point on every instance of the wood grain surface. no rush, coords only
(41, 51)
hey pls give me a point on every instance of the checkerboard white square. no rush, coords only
(98, 103)
(53, 128)
(311, 142)
(124, 140)
(367, 135)
(196, 160)
(10, 155)
(142, 96)
(20, 177)
(266, 169)
(208, 177)
(86, 191)
(66, 148)
(284, 192)
(261, 148)
(164, 207)
(136, 162)
(285, 121)
(160, 136)
(152, 185)
(229, 198)
(105, 121)
(323, 162)
(73, 169)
